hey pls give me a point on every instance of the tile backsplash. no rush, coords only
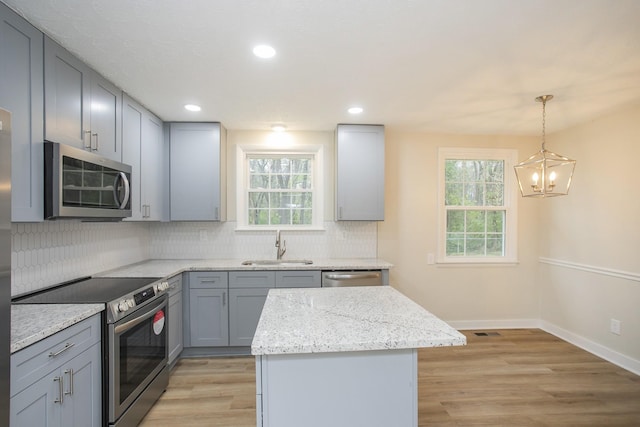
(47, 253)
(185, 240)
(50, 252)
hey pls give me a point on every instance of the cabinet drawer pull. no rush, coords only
(66, 347)
(70, 372)
(60, 398)
(96, 135)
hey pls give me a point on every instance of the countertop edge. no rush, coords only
(45, 320)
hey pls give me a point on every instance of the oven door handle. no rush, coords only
(133, 322)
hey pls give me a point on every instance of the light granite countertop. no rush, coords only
(169, 267)
(323, 320)
(31, 323)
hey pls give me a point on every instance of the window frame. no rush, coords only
(510, 205)
(244, 152)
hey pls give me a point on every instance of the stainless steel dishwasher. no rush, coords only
(333, 279)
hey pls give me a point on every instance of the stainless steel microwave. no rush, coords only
(84, 185)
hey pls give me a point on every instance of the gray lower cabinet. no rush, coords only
(360, 173)
(224, 307)
(21, 92)
(58, 381)
(82, 108)
(208, 324)
(174, 339)
(248, 292)
(197, 171)
(298, 279)
(245, 307)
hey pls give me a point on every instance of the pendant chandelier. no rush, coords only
(545, 174)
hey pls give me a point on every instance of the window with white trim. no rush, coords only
(477, 200)
(280, 189)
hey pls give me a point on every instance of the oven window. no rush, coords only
(142, 349)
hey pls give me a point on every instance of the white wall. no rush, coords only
(464, 295)
(590, 240)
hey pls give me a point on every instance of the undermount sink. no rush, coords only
(277, 262)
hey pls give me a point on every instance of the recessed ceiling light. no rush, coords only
(192, 107)
(278, 128)
(264, 51)
(355, 110)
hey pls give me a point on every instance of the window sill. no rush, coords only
(478, 263)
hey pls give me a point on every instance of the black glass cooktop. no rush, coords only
(90, 290)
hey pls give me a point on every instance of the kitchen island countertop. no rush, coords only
(296, 321)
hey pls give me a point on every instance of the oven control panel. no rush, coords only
(120, 308)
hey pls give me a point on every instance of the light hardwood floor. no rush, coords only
(522, 377)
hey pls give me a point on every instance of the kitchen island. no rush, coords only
(342, 357)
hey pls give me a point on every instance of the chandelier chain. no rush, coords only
(544, 116)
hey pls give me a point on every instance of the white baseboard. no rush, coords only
(625, 362)
(495, 324)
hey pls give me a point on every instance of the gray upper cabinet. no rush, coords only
(360, 173)
(143, 149)
(197, 171)
(21, 92)
(82, 108)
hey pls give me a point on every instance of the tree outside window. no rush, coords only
(280, 190)
(478, 219)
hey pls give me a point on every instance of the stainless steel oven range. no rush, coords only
(134, 340)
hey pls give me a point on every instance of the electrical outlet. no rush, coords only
(615, 326)
(431, 259)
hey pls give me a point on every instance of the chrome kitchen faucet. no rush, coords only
(282, 246)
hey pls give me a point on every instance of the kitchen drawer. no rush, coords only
(252, 279)
(298, 279)
(32, 363)
(208, 280)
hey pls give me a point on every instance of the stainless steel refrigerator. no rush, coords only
(5, 263)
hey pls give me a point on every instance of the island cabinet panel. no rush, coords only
(58, 381)
(21, 93)
(82, 108)
(298, 279)
(208, 310)
(248, 292)
(364, 388)
(174, 337)
(360, 173)
(197, 171)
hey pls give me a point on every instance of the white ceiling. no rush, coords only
(462, 66)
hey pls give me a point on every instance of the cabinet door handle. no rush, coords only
(96, 135)
(84, 139)
(224, 299)
(340, 212)
(60, 398)
(66, 347)
(70, 372)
